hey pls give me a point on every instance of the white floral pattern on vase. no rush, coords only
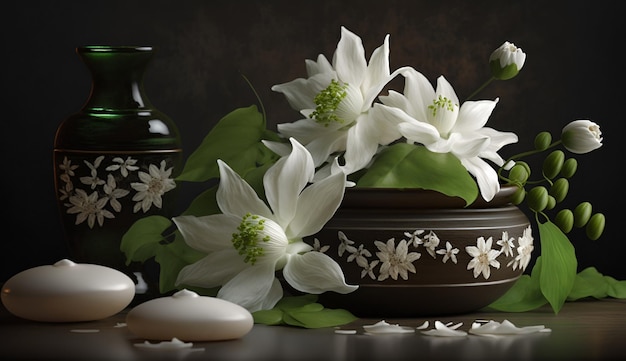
(397, 260)
(95, 196)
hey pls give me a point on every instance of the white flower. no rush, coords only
(484, 257)
(431, 242)
(581, 136)
(89, 208)
(436, 120)
(448, 253)
(368, 269)
(93, 180)
(250, 241)
(152, 187)
(506, 61)
(336, 100)
(345, 244)
(506, 244)
(124, 166)
(414, 237)
(360, 255)
(318, 247)
(524, 250)
(114, 193)
(395, 261)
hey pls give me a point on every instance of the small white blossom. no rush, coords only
(448, 253)
(152, 187)
(524, 250)
(124, 166)
(345, 244)
(317, 247)
(413, 237)
(396, 261)
(484, 257)
(360, 255)
(431, 242)
(89, 208)
(506, 244)
(369, 269)
(114, 193)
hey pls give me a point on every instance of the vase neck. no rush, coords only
(117, 77)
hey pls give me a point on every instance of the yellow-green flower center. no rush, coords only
(246, 241)
(441, 103)
(327, 102)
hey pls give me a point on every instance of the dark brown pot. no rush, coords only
(369, 218)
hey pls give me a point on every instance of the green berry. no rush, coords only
(553, 164)
(537, 198)
(582, 213)
(595, 226)
(569, 168)
(564, 220)
(519, 196)
(559, 189)
(519, 173)
(543, 140)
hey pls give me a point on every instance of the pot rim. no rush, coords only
(417, 198)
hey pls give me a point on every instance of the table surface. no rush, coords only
(583, 330)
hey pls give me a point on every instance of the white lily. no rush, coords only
(337, 101)
(435, 119)
(250, 241)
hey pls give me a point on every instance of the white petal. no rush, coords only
(361, 145)
(208, 233)
(280, 148)
(236, 197)
(444, 331)
(255, 288)
(349, 58)
(378, 68)
(284, 181)
(315, 272)
(382, 327)
(420, 94)
(419, 132)
(474, 115)
(485, 175)
(214, 270)
(316, 205)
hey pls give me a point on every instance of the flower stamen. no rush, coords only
(327, 102)
(247, 240)
(441, 102)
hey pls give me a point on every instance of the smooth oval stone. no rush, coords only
(67, 292)
(189, 317)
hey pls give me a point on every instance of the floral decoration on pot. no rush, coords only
(278, 187)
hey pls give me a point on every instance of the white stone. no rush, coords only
(67, 292)
(188, 316)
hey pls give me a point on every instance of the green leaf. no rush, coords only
(525, 294)
(204, 204)
(172, 258)
(268, 317)
(616, 289)
(303, 311)
(323, 318)
(406, 165)
(559, 264)
(234, 139)
(141, 240)
(589, 283)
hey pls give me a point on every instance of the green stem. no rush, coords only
(535, 151)
(481, 88)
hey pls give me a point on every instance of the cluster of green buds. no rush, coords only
(551, 189)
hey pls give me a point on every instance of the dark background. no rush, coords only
(574, 70)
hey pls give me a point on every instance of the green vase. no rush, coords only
(115, 161)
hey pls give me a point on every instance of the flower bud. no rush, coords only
(581, 136)
(543, 140)
(595, 226)
(537, 198)
(518, 197)
(553, 164)
(559, 189)
(569, 168)
(582, 213)
(506, 61)
(519, 173)
(551, 202)
(564, 220)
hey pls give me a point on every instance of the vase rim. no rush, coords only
(114, 48)
(420, 198)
